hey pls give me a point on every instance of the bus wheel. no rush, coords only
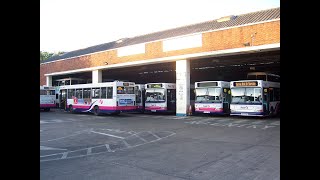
(46, 109)
(272, 111)
(71, 109)
(96, 111)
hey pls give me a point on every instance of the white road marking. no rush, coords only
(140, 138)
(108, 135)
(50, 148)
(154, 135)
(76, 133)
(108, 147)
(89, 151)
(125, 142)
(64, 155)
(115, 130)
(275, 123)
(266, 127)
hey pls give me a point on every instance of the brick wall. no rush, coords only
(266, 33)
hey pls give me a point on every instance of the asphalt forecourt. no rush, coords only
(153, 146)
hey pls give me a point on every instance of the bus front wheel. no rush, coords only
(96, 111)
(71, 109)
(46, 109)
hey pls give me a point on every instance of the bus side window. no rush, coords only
(103, 92)
(95, 92)
(271, 94)
(109, 92)
(70, 93)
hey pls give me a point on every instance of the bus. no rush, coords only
(255, 98)
(100, 98)
(140, 91)
(64, 82)
(47, 98)
(69, 81)
(212, 97)
(263, 76)
(160, 97)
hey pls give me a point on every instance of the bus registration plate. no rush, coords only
(206, 111)
(153, 110)
(244, 114)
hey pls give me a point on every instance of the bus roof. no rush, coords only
(117, 83)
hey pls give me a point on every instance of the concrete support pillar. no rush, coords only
(96, 76)
(49, 81)
(182, 87)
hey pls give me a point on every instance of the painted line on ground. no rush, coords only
(50, 148)
(108, 148)
(154, 135)
(75, 133)
(64, 155)
(89, 151)
(140, 138)
(108, 134)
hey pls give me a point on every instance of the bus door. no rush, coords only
(226, 99)
(266, 101)
(171, 99)
(63, 98)
(142, 96)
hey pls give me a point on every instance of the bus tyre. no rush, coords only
(71, 109)
(272, 111)
(46, 109)
(96, 111)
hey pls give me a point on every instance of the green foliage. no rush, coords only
(46, 55)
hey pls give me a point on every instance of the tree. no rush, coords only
(46, 55)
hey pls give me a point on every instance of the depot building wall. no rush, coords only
(264, 33)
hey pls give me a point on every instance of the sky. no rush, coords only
(68, 25)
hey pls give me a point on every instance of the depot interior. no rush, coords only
(222, 68)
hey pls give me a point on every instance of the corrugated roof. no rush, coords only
(254, 17)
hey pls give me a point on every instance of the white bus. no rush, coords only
(160, 97)
(140, 91)
(64, 82)
(47, 98)
(99, 98)
(255, 98)
(212, 97)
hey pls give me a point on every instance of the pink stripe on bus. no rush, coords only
(210, 109)
(155, 108)
(107, 107)
(117, 107)
(47, 105)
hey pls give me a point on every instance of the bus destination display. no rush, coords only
(246, 83)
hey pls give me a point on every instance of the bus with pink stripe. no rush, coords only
(160, 97)
(140, 91)
(101, 98)
(212, 97)
(47, 98)
(255, 98)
